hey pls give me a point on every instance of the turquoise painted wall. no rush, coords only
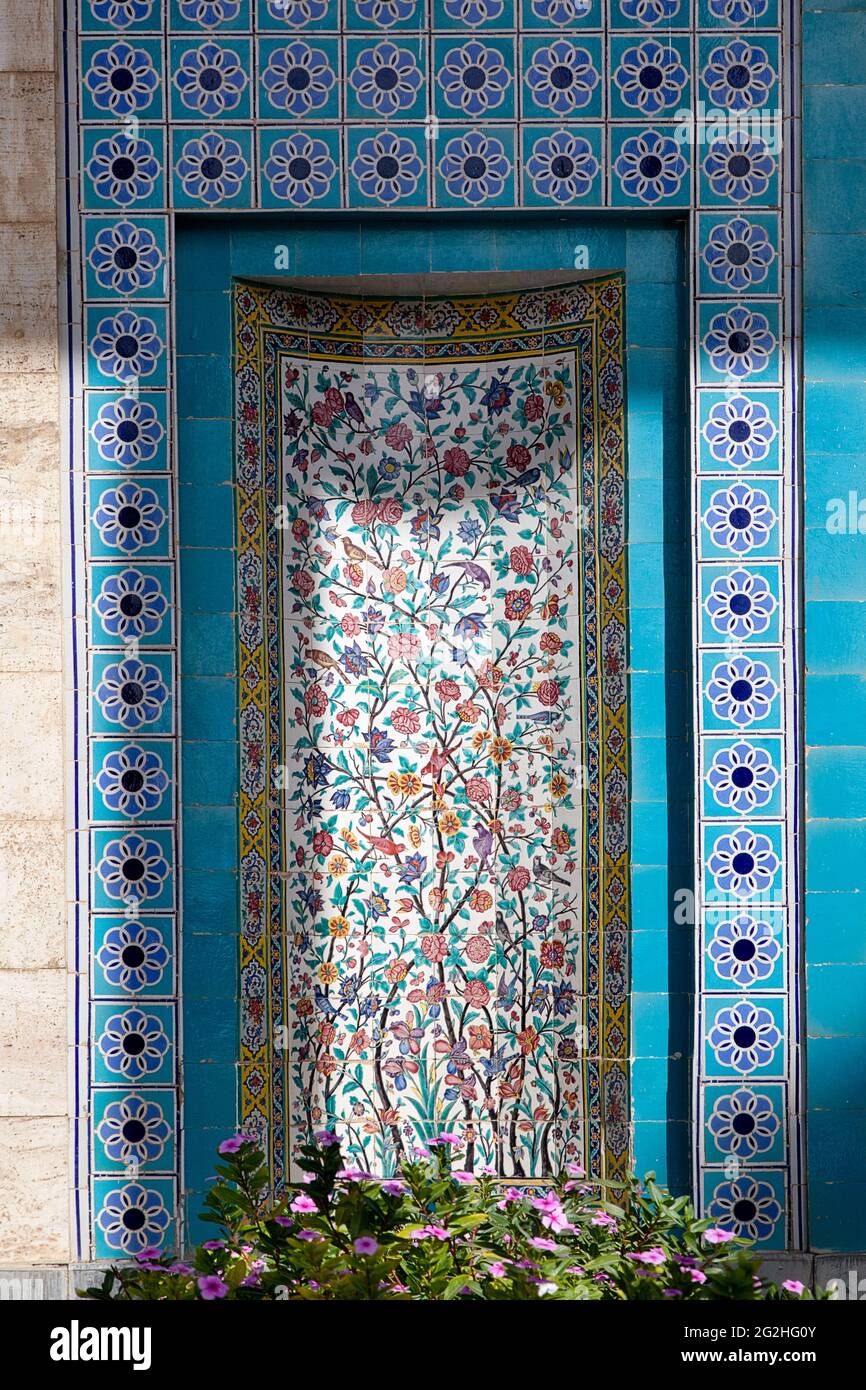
(651, 252)
(834, 258)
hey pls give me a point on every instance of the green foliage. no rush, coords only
(440, 1234)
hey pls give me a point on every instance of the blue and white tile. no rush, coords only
(475, 78)
(649, 15)
(134, 1043)
(741, 167)
(130, 517)
(120, 16)
(740, 72)
(562, 165)
(300, 168)
(743, 863)
(212, 168)
(126, 433)
(132, 1216)
(741, 691)
(739, 253)
(745, 1124)
(562, 78)
(384, 15)
(299, 80)
(133, 957)
(133, 869)
(121, 78)
(132, 694)
(752, 1206)
(649, 168)
(209, 16)
(742, 776)
(131, 603)
(387, 167)
(740, 604)
(476, 14)
(122, 169)
(132, 780)
(134, 1130)
(649, 77)
(744, 949)
(739, 344)
(739, 518)
(126, 345)
(739, 430)
(475, 167)
(386, 79)
(125, 257)
(210, 79)
(738, 14)
(745, 1036)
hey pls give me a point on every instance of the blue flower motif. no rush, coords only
(297, 13)
(384, 13)
(387, 167)
(127, 346)
(744, 1124)
(133, 869)
(649, 12)
(747, 1207)
(651, 77)
(298, 78)
(739, 76)
(739, 342)
(740, 518)
(133, 1218)
(386, 79)
(561, 77)
(743, 863)
(738, 254)
(129, 517)
(124, 169)
(133, 1130)
(120, 13)
(562, 166)
(744, 951)
(744, 1036)
(742, 777)
(210, 79)
(741, 690)
(133, 956)
(739, 167)
(210, 13)
(300, 169)
(125, 258)
(132, 780)
(474, 78)
(131, 693)
(739, 431)
(131, 605)
(475, 167)
(738, 11)
(121, 79)
(127, 432)
(650, 166)
(740, 605)
(212, 168)
(561, 12)
(472, 12)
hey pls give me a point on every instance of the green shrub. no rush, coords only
(439, 1233)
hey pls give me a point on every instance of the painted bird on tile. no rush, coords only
(355, 552)
(438, 758)
(544, 874)
(323, 659)
(383, 844)
(324, 1004)
(353, 410)
(482, 842)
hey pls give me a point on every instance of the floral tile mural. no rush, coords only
(433, 718)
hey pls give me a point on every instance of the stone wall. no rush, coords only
(34, 1200)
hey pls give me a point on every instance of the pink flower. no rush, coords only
(303, 1203)
(461, 1176)
(231, 1146)
(393, 1188)
(284, 1220)
(405, 720)
(365, 1245)
(604, 1218)
(793, 1286)
(326, 1138)
(716, 1235)
(497, 1270)
(398, 436)
(649, 1257)
(697, 1276)
(211, 1286)
(542, 1243)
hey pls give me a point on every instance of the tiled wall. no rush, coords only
(834, 197)
(221, 105)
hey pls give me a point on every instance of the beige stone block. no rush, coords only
(30, 602)
(32, 901)
(33, 1043)
(28, 191)
(31, 769)
(31, 399)
(27, 36)
(34, 1201)
(28, 298)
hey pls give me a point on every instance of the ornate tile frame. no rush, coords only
(135, 150)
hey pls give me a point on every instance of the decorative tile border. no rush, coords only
(207, 105)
